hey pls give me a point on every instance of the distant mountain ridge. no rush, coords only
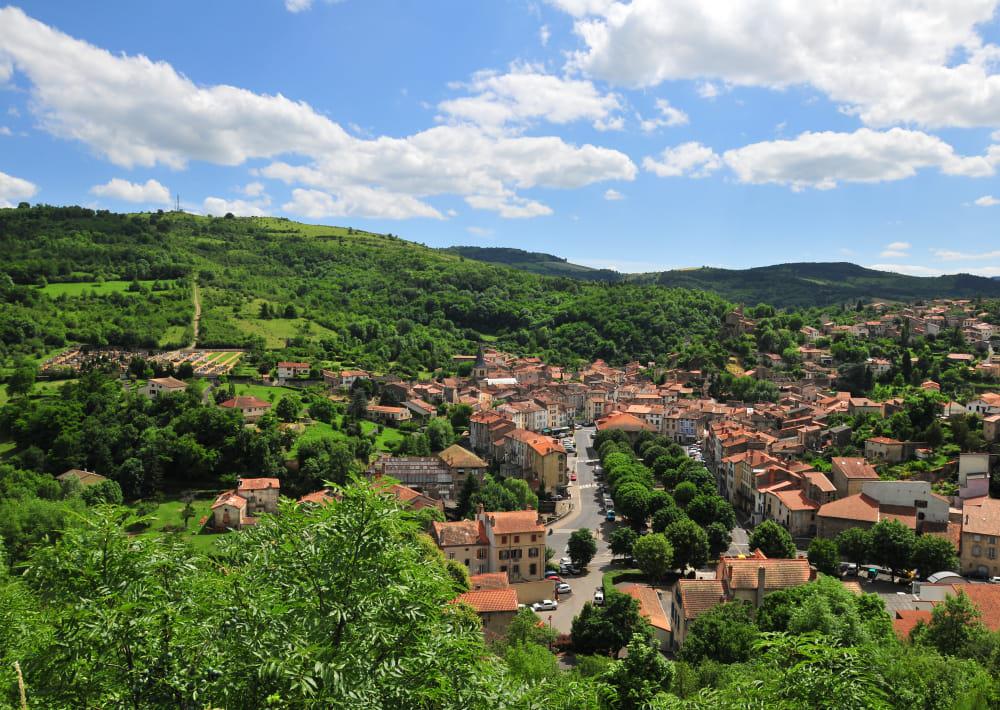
(534, 262)
(801, 284)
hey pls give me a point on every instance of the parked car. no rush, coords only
(599, 597)
(994, 580)
(545, 605)
(565, 561)
(610, 516)
(568, 569)
(572, 476)
(553, 577)
(564, 588)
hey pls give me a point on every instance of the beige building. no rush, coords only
(884, 449)
(849, 474)
(511, 542)
(253, 408)
(239, 507)
(691, 599)
(163, 385)
(981, 537)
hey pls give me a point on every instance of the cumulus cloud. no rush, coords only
(687, 159)
(896, 250)
(906, 269)
(707, 90)
(357, 201)
(951, 255)
(138, 112)
(219, 206)
(822, 160)
(526, 93)
(15, 189)
(888, 62)
(150, 192)
(986, 201)
(669, 116)
(613, 195)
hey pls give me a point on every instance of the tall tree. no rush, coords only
(582, 547)
(824, 555)
(653, 555)
(689, 542)
(892, 545)
(773, 540)
(932, 553)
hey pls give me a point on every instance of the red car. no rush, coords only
(572, 476)
(553, 577)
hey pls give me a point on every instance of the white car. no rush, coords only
(545, 605)
(599, 597)
(994, 580)
(564, 588)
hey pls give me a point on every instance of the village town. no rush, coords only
(802, 462)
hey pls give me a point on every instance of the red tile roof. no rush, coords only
(169, 382)
(245, 402)
(649, 604)
(623, 421)
(778, 573)
(987, 598)
(907, 619)
(854, 468)
(258, 484)
(229, 498)
(982, 519)
(796, 500)
(320, 497)
(460, 533)
(489, 580)
(490, 600)
(859, 507)
(517, 521)
(699, 595)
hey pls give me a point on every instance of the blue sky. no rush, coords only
(636, 135)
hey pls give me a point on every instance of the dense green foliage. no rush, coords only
(357, 297)
(535, 262)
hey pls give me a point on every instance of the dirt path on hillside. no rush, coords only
(196, 296)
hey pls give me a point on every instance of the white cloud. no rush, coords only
(526, 93)
(986, 201)
(138, 112)
(150, 192)
(5, 131)
(479, 231)
(707, 90)
(509, 206)
(691, 159)
(296, 6)
(906, 269)
(821, 160)
(613, 195)
(669, 116)
(357, 201)
(14, 189)
(543, 35)
(896, 250)
(894, 61)
(253, 189)
(218, 206)
(950, 255)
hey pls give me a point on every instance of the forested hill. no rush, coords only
(535, 262)
(795, 285)
(820, 284)
(316, 292)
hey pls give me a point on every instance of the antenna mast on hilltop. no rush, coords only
(177, 202)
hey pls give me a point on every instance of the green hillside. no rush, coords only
(318, 292)
(535, 262)
(819, 284)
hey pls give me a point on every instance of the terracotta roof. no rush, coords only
(459, 533)
(489, 580)
(819, 479)
(258, 484)
(854, 467)
(649, 604)
(778, 573)
(229, 498)
(169, 382)
(245, 402)
(459, 457)
(516, 521)
(853, 587)
(796, 500)
(86, 478)
(699, 595)
(858, 507)
(293, 364)
(883, 440)
(982, 519)
(987, 598)
(490, 600)
(320, 497)
(623, 421)
(907, 619)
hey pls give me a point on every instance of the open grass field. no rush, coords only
(264, 392)
(174, 335)
(169, 514)
(277, 330)
(78, 288)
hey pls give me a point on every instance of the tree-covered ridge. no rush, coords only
(340, 294)
(535, 262)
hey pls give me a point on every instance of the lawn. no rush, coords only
(275, 331)
(169, 513)
(77, 288)
(318, 430)
(175, 335)
(265, 392)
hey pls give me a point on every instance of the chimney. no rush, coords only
(480, 510)
(761, 579)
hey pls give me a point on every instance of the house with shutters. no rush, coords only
(237, 508)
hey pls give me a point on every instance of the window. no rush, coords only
(451, 555)
(534, 538)
(977, 538)
(976, 550)
(991, 553)
(503, 539)
(503, 568)
(481, 553)
(533, 552)
(516, 570)
(919, 504)
(466, 561)
(993, 540)
(534, 570)
(517, 539)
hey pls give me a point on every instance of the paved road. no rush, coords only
(586, 514)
